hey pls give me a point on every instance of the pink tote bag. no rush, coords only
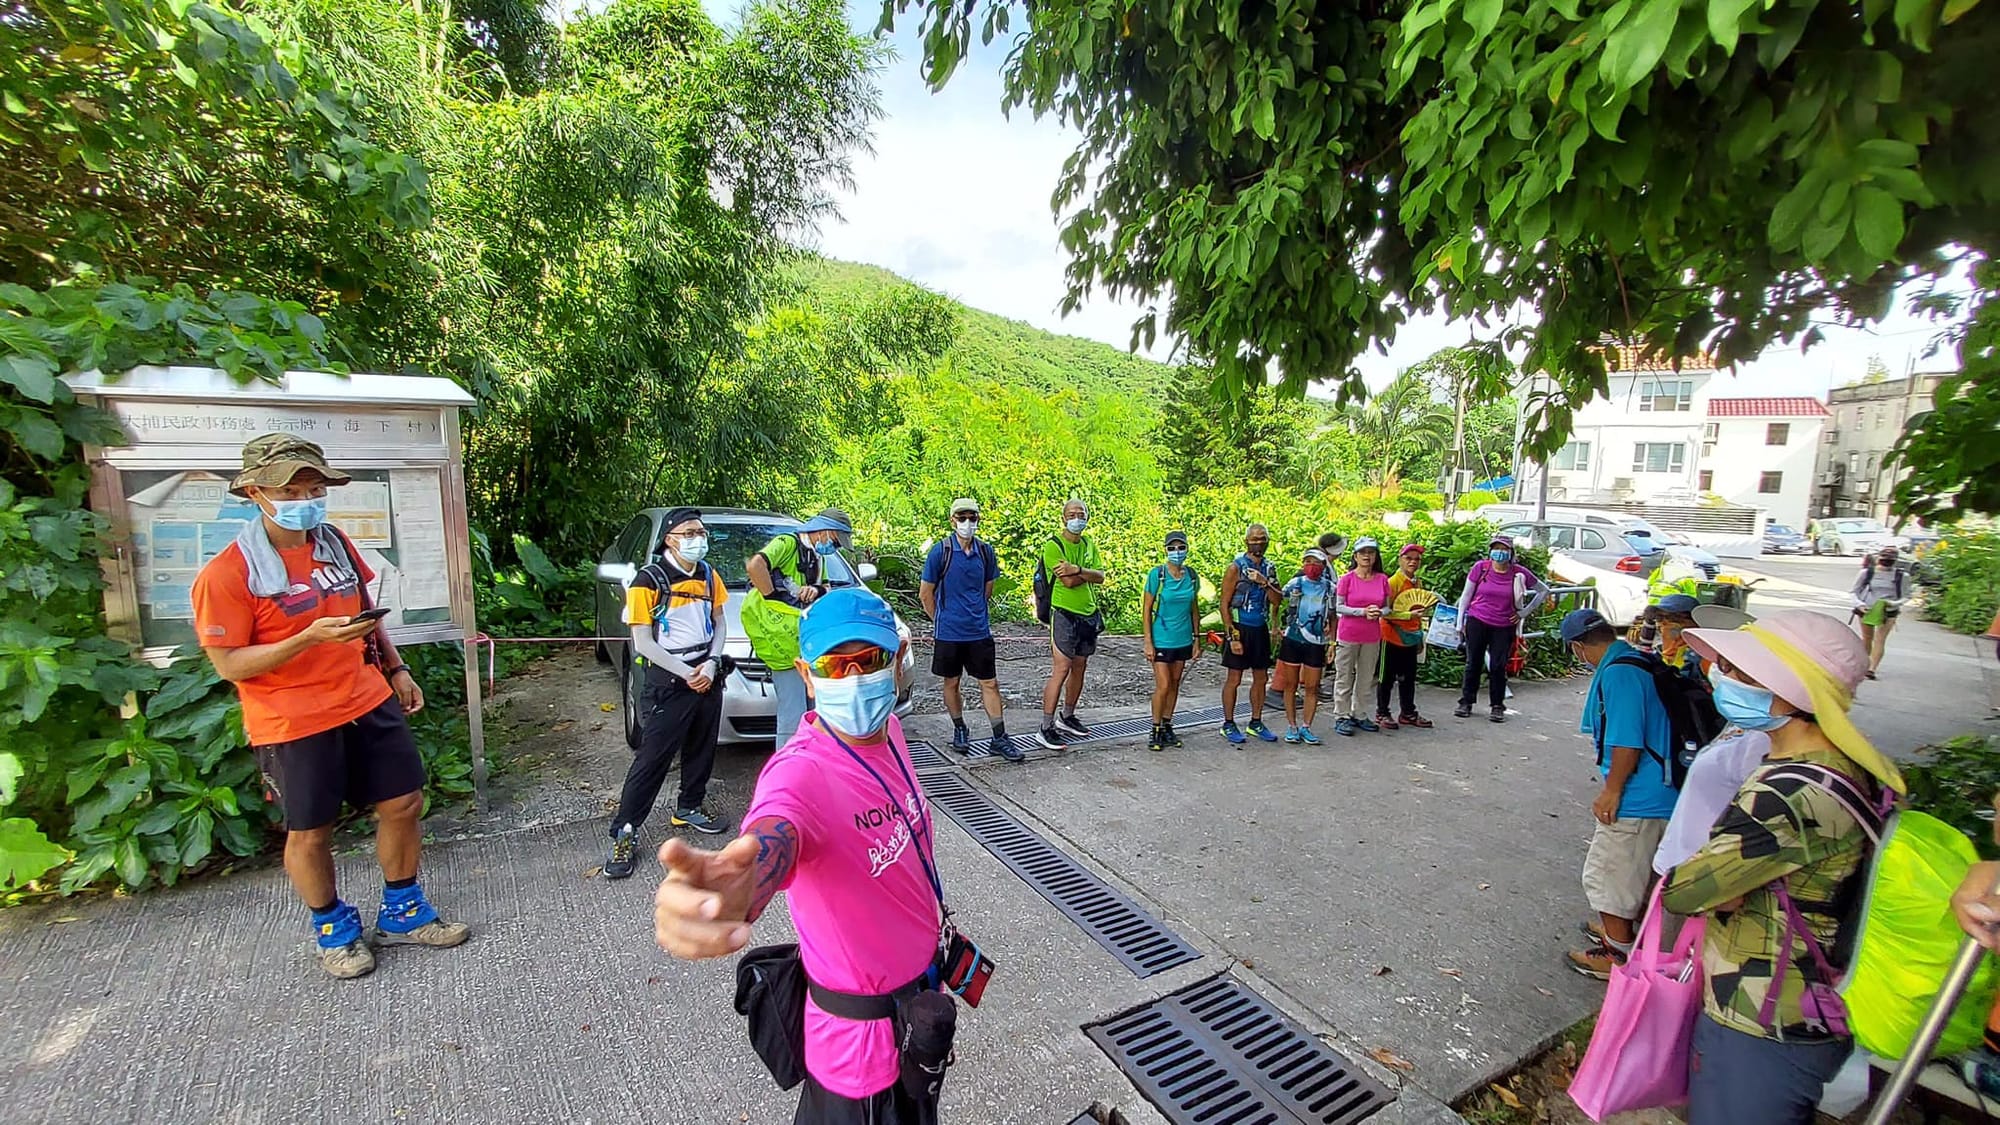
(1638, 1054)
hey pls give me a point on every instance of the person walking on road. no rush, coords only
(1757, 1057)
(786, 576)
(1308, 601)
(283, 614)
(1361, 598)
(1249, 590)
(1071, 562)
(1878, 598)
(840, 823)
(957, 593)
(1634, 736)
(675, 609)
(1499, 594)
(1170, 620)
(1402, 642)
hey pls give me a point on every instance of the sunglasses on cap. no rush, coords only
(841, 665)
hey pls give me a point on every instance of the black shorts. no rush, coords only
(1256, 654)
(1302, 654)
(361, 763)
(1075, 634)
(952, 659)
(893, 1106)
(1180, 655)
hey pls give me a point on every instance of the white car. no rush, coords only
(1852, 535)
(749, 702)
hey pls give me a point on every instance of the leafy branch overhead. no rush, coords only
(1292, 181)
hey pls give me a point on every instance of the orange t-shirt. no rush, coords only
(320, 688)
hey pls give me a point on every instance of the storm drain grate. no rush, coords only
(1142, 942)
(1117, 728)
(1217, 1052)
(926, 757)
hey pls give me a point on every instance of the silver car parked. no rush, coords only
(749, 701)
(1600, 545)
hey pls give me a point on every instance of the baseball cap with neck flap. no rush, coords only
(272, 460)
(834, 520)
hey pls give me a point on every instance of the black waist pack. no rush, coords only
(926, 1024)
(771, 995)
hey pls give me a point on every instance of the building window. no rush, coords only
(1659, 457)
(1664, 395)
(1853, 463)
(1778, 433)
(1771, 484)
(1708, 480)
(1711, 432)
(1572, 457)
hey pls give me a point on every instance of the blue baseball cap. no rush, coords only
(1678, 603)
(844, 614)
(1577, 622)
(833, 519)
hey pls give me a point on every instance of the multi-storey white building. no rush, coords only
(1759, 453)
(1639, 442)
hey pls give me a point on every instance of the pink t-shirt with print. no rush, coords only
(1357, 592)
(864, 909)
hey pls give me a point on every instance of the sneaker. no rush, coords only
(1173, 736)
(1051, 738)
(1292, 736)
(624, 853)
(1981, 1070)
(1004, 746)
(700, 821)
(1412, 719)
(1383, 720)
(1498, 715)
(1072, 726)
(1258, 728)
(1596, 962)
(1366, 724)
(1344, 727)
(1232, 733)
(407, 918)
(1592, 928)
(961, 739)
(343, 949)
(1157, 740)
(1308, 737)
(1462, 711)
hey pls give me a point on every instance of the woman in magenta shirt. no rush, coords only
(1360, 599)
(1497, 596)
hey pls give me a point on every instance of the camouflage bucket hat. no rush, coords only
(272, 460)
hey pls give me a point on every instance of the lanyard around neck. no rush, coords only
(921, 834)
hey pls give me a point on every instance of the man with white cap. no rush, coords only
(957, 593)
(786, 576)
(1779, 866)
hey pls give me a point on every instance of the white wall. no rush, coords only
(1742, 455)
(1614, 424)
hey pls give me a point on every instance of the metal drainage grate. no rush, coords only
(926, 758)
(1118, 728)
(1142, 942)
(1216, 1051)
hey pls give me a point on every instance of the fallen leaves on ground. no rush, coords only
(1453, 973)
(607, 708)
(1381, 971)
(1392, 1060)
(1505, 1095)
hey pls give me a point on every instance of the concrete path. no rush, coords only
(1410, 894)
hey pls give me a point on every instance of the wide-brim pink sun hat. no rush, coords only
(1823, 639)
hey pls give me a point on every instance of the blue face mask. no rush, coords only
(1177, 557)
(1746, 706)
(1498, 555)
(299, 515)
(856, 706)
(1076, 525)
(827, 548)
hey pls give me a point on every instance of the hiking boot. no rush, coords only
(1158, 739)
(407, 918)
(1366, 724)
(1592, 928)
(1462, 711)
(961, 739)
(1498, 715)
(1981, 1071)
(1412, 719)
(348, 961)
(1173, 736)
(1596, 962)
(343, 951)
(1344, 727)
(1383, 720)
(1051, 737)
(1004, 746)
(1231, 732)
(624, 853)
(1291, 736)
(1308, 737)
(1258, 728)
(700, 821)
(1072, 726)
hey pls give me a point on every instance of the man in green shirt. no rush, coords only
(786, 577)
(1073, 569)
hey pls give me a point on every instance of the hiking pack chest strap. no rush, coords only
(857, 1006)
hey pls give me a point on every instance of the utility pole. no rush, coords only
(1457, 443)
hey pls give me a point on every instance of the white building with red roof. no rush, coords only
(1760, 452)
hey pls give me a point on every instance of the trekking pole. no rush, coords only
(1919, 1054)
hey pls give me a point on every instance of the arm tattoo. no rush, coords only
(777, 857)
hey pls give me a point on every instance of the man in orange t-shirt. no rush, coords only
(280, 614)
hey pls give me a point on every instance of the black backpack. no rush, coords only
(1042, 589)
(1691, 712)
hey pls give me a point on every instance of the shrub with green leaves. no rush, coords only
(1968, 590)
(1956, 783)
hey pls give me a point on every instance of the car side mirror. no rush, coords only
(867, 572)
(621, 573)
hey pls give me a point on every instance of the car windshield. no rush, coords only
(732, 542)
(1857, 526)
(1778, 529)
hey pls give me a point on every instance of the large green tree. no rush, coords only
(1292, 180)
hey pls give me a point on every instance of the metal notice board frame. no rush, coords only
(165, 493)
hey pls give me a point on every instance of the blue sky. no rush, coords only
(956, 196)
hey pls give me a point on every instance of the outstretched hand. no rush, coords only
(702, 908)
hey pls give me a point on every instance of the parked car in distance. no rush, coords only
(1852, 535)
(749, 701)
(1599, 545)
(1780, 539)
(1676, 544)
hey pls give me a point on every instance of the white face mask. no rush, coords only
(1077, 524)
(966, 528)
(693, 548)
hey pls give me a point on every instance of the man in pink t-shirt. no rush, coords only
(838, 822)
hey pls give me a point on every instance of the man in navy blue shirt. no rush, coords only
(957, 592)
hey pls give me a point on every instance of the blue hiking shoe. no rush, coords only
(1344, 727)
(1232, 733)
(1368, 725)
(408, 918)
(961, 739)
(1258, 728)
(1308, 737)
(343, 952)
(1292, 736)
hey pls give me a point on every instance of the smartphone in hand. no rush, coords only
(376, 614)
